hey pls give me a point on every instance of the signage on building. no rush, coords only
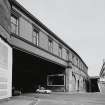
(5, 70)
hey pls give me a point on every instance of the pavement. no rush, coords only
(57, 99)
(19, 100)
(72, 99)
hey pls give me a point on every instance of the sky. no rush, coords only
(80, 23)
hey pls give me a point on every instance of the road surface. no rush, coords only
(70, 99)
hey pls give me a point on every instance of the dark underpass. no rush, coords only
(30, 71)
(94, 84)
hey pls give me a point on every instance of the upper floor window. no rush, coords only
(50, 45)
(14, 24)
(35, 37)
(79, 64)
(60, 51)
(73, 58)
(82, 66)
(67, 55)
(77, 61)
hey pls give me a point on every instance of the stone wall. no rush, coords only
(5, 15)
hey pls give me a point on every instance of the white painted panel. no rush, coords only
(5, 70)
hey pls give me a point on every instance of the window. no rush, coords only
(50, 45)
(73, 58)
(14, 25)
(67, 55)
(56, 80)
(60, 51)
(79, 64)
(35, 37)
(77, 61)
(82, 66)
(70, 55)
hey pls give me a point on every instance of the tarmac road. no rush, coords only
(71, 99)
(57, 99)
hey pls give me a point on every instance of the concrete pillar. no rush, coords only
(68, 79)
(77, 85)
(68, 83)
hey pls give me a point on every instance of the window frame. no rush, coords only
(16, 25)
(35, 38)
(59, 75)
(77, 61)
(60, 51)
(50, 45)
(67, 55)
(73, 56)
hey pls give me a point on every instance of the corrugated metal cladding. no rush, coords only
(5, 51)
(5, 70)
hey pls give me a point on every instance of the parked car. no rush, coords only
(43, 90)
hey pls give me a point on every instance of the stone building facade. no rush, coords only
(56, 65)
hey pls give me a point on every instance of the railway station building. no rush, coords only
(39, 56)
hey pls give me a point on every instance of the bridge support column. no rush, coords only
(68, 79)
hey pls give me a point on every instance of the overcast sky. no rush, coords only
(80, 23)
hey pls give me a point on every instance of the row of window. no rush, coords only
(77, 62)
(35, 35)
(35, 40)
